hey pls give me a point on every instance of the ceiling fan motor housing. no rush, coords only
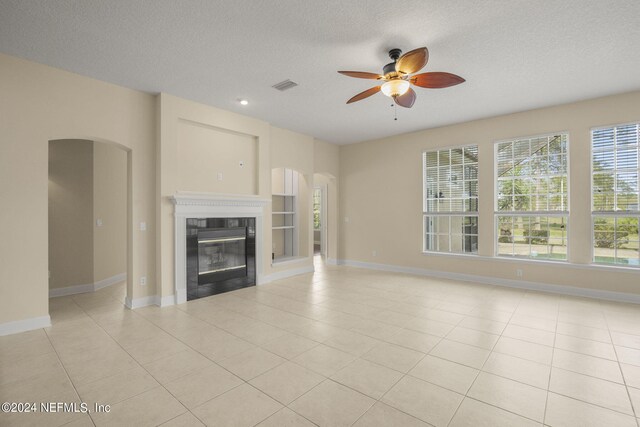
(391, 67)
(395, 54)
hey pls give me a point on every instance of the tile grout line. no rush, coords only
(404, 375)
(624, 379)
(590, 376)
(242, 379)
(64, 367)
(522, 297)
(440, 339)
(138, 363)
(553, 352)
(466, 394)
(328, 378)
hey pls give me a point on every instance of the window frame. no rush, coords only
(615, 213)
(593, 240)
(531, 214)
(547, 213)
(449, 214)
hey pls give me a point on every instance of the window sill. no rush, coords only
(615, 267)
(507, 258)
(452, 254)
(590, 266)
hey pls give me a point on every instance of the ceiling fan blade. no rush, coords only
(362, 75)
(412, 61)
(436, 80)
(362, 95)
(407, 99)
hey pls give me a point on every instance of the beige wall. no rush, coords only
(292, 150)
(326, 158)
(381, 194)
(71, 255)
(40, 104)
(110, 206)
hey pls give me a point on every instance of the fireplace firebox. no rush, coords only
(220, 255)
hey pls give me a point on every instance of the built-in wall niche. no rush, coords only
(285, 222)
(215, 160)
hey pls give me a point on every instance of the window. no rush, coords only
(450, 200)
(532, 197)
(615, 210)
(317, 205)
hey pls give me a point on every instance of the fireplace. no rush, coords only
(220, 255)
(209, 211)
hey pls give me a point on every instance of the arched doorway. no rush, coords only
(324, 216)
(90, 220)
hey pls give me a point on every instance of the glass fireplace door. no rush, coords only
(216, 255)
(222, 254)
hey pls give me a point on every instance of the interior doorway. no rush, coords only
(89, 237)
(320, 220)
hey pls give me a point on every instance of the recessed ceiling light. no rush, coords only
(244, 102)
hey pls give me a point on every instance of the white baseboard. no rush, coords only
(520, 284)
(70, 290)
(332, 261)
(18, 326)
(90, 287)
(150, 300)
(286, 273)
(166, 300)
(118, 278)
(140, 302)
(181, 296)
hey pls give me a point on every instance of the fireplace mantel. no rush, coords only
(215, 199)
(212, 205)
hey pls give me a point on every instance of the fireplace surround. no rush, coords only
(189, 205)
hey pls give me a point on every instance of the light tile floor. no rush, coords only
(339, 347)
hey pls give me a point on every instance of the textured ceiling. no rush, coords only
(515, 55)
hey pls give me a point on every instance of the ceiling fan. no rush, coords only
(398, 80)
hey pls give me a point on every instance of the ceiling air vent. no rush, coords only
(285, 85)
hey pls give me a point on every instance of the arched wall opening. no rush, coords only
(325, 235)
(90, 218)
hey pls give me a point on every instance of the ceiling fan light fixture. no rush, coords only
(394, 88)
